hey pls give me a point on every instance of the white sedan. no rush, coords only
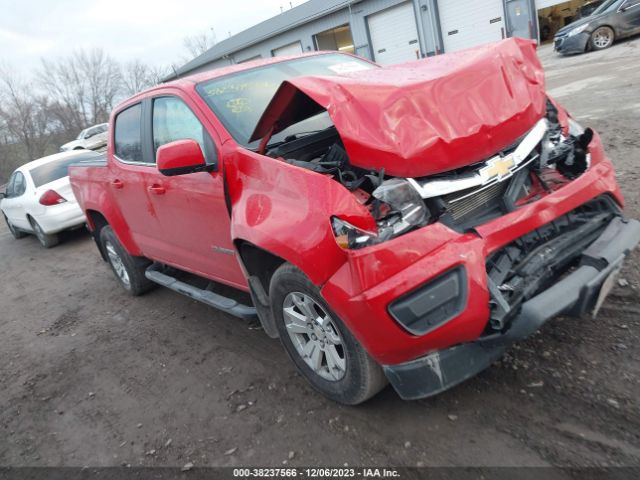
(38, 199)
(90, 138)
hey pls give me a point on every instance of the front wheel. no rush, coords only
(602, 38)
(319, 344)
(129, 270)
(46, 240)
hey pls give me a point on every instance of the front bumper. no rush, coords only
(576, 294)
(574, 44)
(373, 278)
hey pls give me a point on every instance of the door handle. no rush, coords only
(117, 184)
(157, 189)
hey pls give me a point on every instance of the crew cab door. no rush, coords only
(191, 208)
(131, 170)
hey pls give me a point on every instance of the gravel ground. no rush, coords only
(92, 377)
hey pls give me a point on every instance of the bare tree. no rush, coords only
(24, 114)
(103, 78)
(136, 76)
(83, 88)
(199, 43)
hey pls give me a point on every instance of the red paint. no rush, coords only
(473, 104)
(179, 154)
(51, 197)
(425, 117)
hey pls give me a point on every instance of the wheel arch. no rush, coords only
(259, 266)
(98, 218)
(97, 221)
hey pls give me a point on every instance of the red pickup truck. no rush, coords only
(399, 224)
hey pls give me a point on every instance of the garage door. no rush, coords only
(290, 49)
(469, 23)
(394, 35)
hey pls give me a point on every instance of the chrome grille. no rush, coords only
(464, 205)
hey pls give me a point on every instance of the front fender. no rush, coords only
(287, 210)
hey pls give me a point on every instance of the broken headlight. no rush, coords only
(570, 155)
(397, 208)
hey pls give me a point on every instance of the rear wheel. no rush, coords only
(319, 344)
(129, 270)
(14, 231)
(47, 240)
(602, 38)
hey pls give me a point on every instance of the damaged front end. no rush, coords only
(547, 157)
(423, 142)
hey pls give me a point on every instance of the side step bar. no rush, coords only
(227, 305)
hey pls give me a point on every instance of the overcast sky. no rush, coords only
(151, 30)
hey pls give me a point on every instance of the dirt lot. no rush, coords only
(92, 377)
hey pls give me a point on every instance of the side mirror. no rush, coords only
(180, 158)
(2, 195)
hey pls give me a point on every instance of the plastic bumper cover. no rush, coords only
(61, 217)
(575, 294)
(574, 44)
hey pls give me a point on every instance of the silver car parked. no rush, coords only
(91, 138)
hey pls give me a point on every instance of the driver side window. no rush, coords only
(173, 120)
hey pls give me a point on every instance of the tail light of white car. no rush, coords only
(51, 197)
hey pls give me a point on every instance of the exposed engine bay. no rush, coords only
(538, 163)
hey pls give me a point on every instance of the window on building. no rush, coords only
(338, 38)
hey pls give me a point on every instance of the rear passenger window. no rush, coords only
(128, 142)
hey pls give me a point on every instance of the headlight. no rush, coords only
(397, 208)
(577, 30)
(575, 129)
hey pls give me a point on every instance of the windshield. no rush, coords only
(605, 6)
(81, 135)
(240, 99)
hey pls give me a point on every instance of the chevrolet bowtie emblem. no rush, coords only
(497, 168)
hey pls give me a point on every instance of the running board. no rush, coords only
(212, 299)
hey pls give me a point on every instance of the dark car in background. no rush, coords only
(588, 9)
(611, 21)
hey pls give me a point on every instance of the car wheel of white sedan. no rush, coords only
(45, 239)
(14, 231)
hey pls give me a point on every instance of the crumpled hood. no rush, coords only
(423, 117)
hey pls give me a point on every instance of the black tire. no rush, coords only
(361, 377)
(17, 234)
(47, 240)
(601, 38)
(134, 282)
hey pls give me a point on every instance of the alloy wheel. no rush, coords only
(315, 336)
(602, 37)
(118, 265)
